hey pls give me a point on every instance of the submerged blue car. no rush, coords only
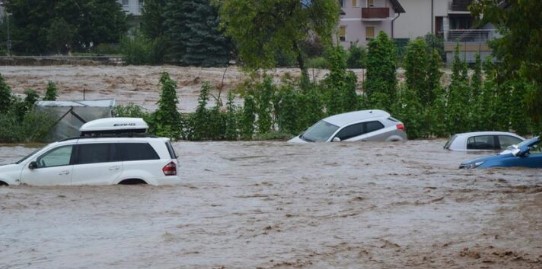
(515, 156)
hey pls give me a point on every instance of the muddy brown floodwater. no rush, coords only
(278, 205)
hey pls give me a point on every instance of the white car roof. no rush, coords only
(488, 133)
(356, 116)
(114, 124)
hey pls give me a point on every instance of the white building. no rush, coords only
(132, 7)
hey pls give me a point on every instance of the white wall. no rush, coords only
(131, 6)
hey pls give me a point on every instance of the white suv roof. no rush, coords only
(356, 116)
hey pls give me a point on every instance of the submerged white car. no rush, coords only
(363, 125)
(482, 141)
(109, 151)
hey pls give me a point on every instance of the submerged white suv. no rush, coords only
(109, 151)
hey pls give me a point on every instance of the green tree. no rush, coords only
(262, 28)
(357, 56)
(381, 82)
(232, 115)
(152, 18)
(60, 35)
(194, 34)
(248, 117)
(36, 23)
(519, 47)
(416, 64)
(458, 97)
(5, 96)
(166, 118)
(50, 92)
(153, 28)
(340, 84)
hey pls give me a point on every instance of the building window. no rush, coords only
(125, 2)
(370, 3)
(342, 33)
(369, 32)
(356, 3)
(341, 2)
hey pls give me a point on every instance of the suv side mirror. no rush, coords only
(33, 165)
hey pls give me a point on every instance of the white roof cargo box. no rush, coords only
(114, 126)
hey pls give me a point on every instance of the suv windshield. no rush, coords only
(319, 132)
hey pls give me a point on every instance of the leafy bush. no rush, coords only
(357, 56)
(166, 120)
(317, 62)
(50, 92)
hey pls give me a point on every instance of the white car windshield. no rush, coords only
(319, 132)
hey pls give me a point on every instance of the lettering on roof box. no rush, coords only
(124, 124)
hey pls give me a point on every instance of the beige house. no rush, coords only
(362, 20)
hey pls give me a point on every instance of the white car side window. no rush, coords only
(56, 157)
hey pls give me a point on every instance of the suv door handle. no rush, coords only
(65, 172)
(114, 168)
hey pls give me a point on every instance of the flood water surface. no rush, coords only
(280, 205)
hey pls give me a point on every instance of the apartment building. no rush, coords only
(409, 19)
(448, 19)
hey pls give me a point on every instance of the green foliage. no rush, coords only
(263, 95)
(131, 110)
(80, 24)
(409, 109)
(136, 49)
(261, 28)
(458, 97)
(357, 56)
(519, 47)
(232, 119)
(5, 96)
(248, 117)
(317, 62)
(340, 84)
(201, 119)
(381, 81)
(166, 120)
(34, 126)
(50, 92)
(153, 19)
(60, 35)
(436, 44)
(194, 34)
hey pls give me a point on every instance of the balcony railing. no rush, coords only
(470, 35)
(375, 13)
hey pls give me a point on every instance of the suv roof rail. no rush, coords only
(110, 135)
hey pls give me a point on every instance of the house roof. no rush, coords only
(397, 6)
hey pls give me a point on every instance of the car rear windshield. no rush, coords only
(171, 150)
(447, 145)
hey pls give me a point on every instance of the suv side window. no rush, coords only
(372, 126)
(135, 152)
(93, 153)
(350, 131)
(57, 157)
